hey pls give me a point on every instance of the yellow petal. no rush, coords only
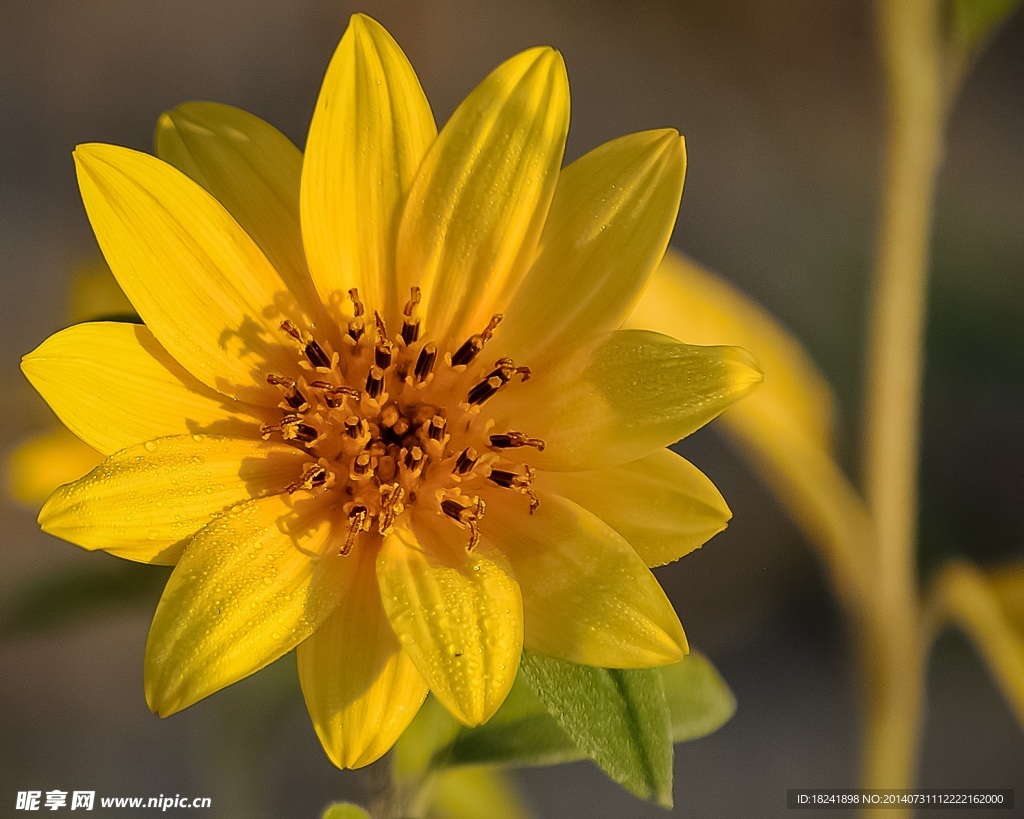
(475, 212)
(144, 502)
(253, 170)
(114, 386)
(685, 301)
(587, 596)
(203, 287)
(41, 464)
(662, 504)
(371, 127)
(361, 689)
(250, 587)
(622, 396)
(608, 228)
(457, 613)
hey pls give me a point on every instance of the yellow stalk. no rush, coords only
(890, 632)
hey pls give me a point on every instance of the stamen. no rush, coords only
(389, 416)
(333, 395)
(383, 353)
(392, 504)
(425, 362)
(375, 382)
(475, 343)
(467, 516)
(357, 306)
(520, 483)
(312, 350)
(312, 477)
(296, 430)
(357, 522)
(292, 396)
(361, 465)
(484, 390)
(512, 439)
(356, 427)
(411, 322)
(437, 427)
(412, 458)
(466, 461)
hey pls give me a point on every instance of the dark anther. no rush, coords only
(334, 396)
(468, 516)
(475, 343)
(361, 465)
(382, 353)
(356, 329)
(425, 362)
(452, 509)
(291, 330)
(315, 354)
(292, 396)
(357, 522)
(515, 439)
(437, 427)
(484, 390)
(355, 427)
(504, 478)
(410, 322)
(312, 477)
(357, 306)
(375, 382)
(298, 431)
(466, 461)
(413, 457)
(382, 329)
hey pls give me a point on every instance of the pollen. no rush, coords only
(392, 422)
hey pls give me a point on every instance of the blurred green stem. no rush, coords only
(890, 639)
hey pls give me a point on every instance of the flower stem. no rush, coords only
(894, 667)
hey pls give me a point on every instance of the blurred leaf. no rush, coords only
(469, 793)
(72, 595)
(345, 810)
(618, 717)
(972, 22)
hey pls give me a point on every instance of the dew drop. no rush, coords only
(150, 446)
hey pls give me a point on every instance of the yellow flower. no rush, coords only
(379, 410)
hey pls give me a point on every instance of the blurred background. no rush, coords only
(781, 104)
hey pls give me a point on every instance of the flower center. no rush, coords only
(394, 422)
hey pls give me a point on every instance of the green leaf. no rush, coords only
(72, 595)
(698, 699)
(617, 717)
(971, 22)
(525, 732)
(344, 810)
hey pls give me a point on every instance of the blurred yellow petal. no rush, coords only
(458, 613)
(114, 386)
(989, 609)
(144, 502)
(587, 596)
(609, 225)
(687, 302)
(624, 396)
(253, 170)
(202, 286)
(41, 464)
(662, 504)
(371, 127)
(469, 793)
(361, 689)
(95, 294)
(475, 212)
(786, 426)
(250, 587)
